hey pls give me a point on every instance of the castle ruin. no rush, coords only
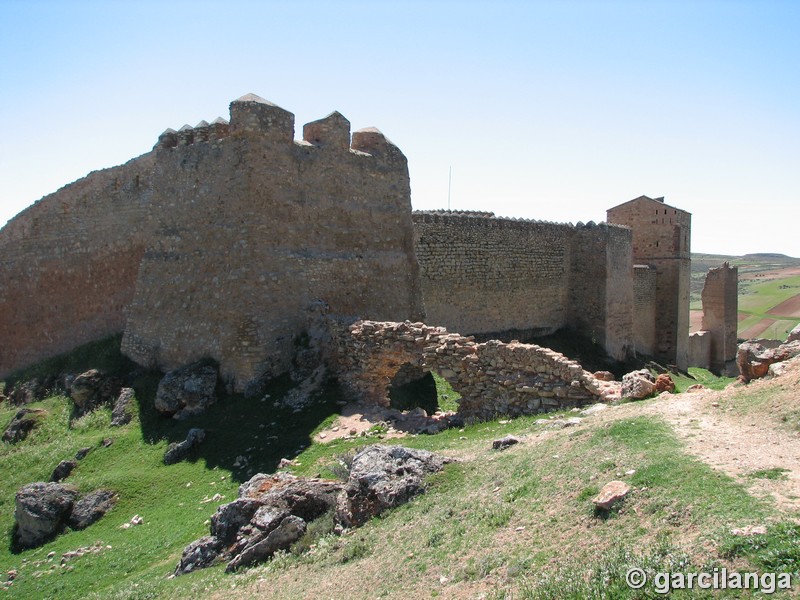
(225, 239)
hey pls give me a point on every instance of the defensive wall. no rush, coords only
(493, 378)
(714, 347)
(486, 275)
(214, 244)
(228, 239)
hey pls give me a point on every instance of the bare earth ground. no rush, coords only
(718, 430)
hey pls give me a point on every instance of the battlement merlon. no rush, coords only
(331, 132)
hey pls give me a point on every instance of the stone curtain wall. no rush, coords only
(68, 263)
(661, 238)
(493, 378)
(215, 244)
(261, 229)
(486, 275)
(600, 289)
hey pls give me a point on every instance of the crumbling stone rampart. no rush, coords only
(493, 378)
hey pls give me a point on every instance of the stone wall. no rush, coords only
(493, 378)
(661, 239)
(720, 299)
(486, 275)
(700, 349)
(68, 263)
(215, 244)
(644, 309)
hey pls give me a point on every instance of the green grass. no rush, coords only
(776, 473)
(518, 522)
(701, 376)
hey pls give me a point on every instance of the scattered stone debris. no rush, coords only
(272, 511)
(121, 413)
(612, 492)
(638, 385)
(504, 442)
(697, 387)
(594, 409)
(107, 442)
(177, 451)
(187, 391)
(63, 470)
(604, 375)
(22, 424)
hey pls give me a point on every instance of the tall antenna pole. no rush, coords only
(449, 186)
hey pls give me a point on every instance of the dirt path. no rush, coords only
(738, 444)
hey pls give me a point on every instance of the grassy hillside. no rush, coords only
(517, 523)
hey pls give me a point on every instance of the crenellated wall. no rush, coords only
(215, 244)
(486, 275)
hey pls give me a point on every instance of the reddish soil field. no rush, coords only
(756, 330)
(787, 308)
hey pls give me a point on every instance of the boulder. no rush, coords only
(383, 477)
(121, 413)
(794, 335)
(754, 359)
(307, 498)
(22, 424)
(81, 454)
(186, 391)
(612, 492)
(664, 383)
(177, 451)
(91, 389)
(63, 470)
(199, 554)
(41, 509)
(505, 442)
(638, 384)
(91, 508)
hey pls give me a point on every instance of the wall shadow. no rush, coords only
(259, 428)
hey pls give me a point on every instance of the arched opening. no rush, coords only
(415, 387)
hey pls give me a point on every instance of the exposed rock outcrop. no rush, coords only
(91, 389)
(91, 508)
(383, 477)
(186, 391)
(22, 424)
(41, 510)
(121, 413)
(272, 511)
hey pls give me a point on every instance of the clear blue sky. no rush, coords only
(548, 110)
